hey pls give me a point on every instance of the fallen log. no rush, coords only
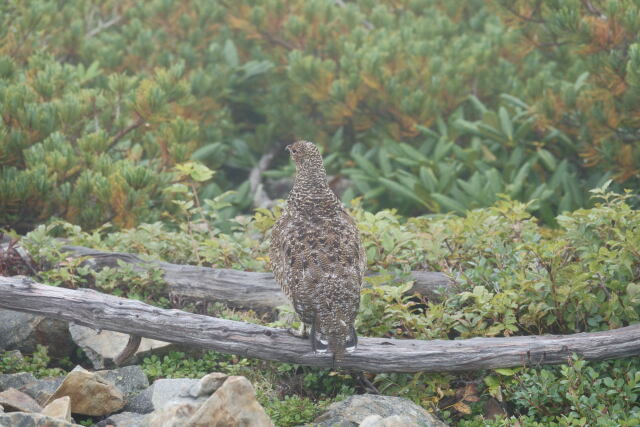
(102, 311)
(239, 289)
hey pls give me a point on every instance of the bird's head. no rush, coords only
(305, 154)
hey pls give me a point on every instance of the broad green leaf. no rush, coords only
(508, 372)
(505, 123)
(515, 188)
(366, 165)
(515, 101)
(448, 203)
(580, 81)
(201, 173)
(428, 179)
(402, 190)
(383, 161)
(478, 104)
(208, 151)
(442, 149)
(548, 159)
(231, 53)
(633, 290)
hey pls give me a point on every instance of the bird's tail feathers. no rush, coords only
(337, 345)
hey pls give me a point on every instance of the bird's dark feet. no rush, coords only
(319, 343)
(352, 341)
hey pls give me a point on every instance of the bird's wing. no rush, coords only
(288, 262)
(353, 234)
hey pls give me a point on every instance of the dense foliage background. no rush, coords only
(422, 105)
(485, 125)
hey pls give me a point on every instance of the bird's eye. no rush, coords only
(293, 151)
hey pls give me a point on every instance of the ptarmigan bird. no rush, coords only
(317, 256)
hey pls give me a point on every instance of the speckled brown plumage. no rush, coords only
(317, 256)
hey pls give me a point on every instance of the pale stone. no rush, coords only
(90, 394)
(370, 421)
(174, 414)
(183, 402)
(234, 404)
(24, 419)
(59, 408)
(392, 421)
(15, 400)
(208, 384)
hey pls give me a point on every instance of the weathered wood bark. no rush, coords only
(242, 289)
(103, 311)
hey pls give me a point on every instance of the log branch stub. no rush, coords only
(102, 311)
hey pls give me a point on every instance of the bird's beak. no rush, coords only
(288, 148)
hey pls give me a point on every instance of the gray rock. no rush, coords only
(188, 402)
(15, 380)
(16, 328)
(208, 384)
(24, 331)
(352, 411)
(392, 421)
(160, 393)
(125, 419)
(371, 421)
(165, 390)
(101, 347)
(130, 380)
(54, 334)
(41, 390)
(140, 403)
(23, 419)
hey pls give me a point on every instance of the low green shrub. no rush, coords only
(177, 365)
(512, 277)
(426, 105)
(579, 393)
(39, 363)
(293, 410)
(468, 163)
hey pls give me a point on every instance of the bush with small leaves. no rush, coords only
(39, 363)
